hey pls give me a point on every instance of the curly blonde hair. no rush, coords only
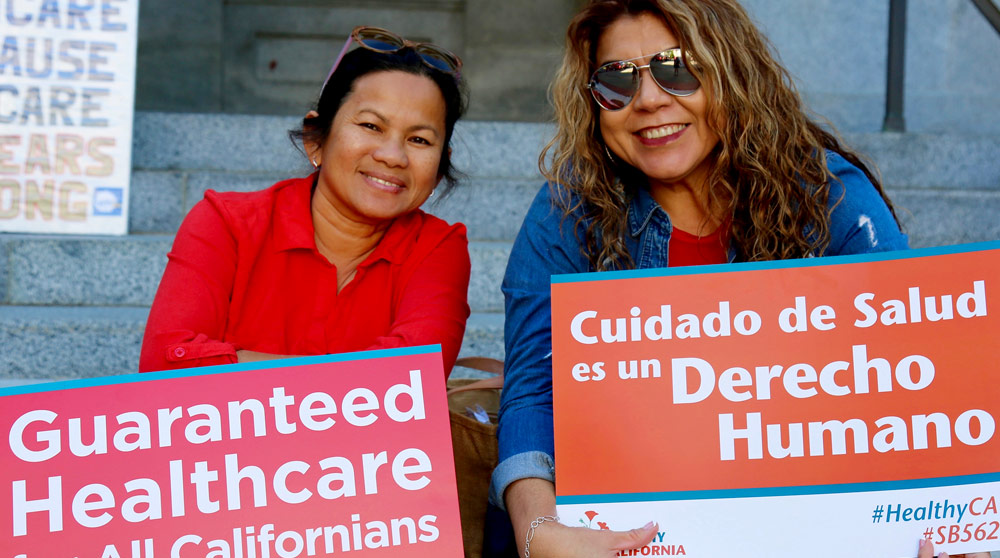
(768, 147)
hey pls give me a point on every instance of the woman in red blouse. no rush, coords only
(342, 260)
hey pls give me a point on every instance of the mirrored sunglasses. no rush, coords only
(614, 84)
(380, 40)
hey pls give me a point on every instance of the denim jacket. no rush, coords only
(549, 244)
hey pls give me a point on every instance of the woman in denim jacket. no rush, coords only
(680, 141)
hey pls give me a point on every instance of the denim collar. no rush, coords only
(642, 206)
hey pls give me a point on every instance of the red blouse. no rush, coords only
(688, 249)
(244, 273)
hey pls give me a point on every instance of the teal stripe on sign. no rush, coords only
(219, 369)
(778, 264)
(777, 491)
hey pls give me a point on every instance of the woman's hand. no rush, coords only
(528, 499)
(555, 540)
(927, 551)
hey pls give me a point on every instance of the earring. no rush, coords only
(315, 164)
(611, 155)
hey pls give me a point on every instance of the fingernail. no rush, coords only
(648, 525)
(921, 543)
(943, 555)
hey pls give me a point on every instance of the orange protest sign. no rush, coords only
(804, 377)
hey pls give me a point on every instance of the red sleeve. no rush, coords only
(434, 305)
(188, 318)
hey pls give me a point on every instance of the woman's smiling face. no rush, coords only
(667, 138)
(381, 157)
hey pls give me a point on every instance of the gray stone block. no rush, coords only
(945, 217)
(513, 49)
(179, 58)
(43, 343)
(810, 51)
(276, 55)
(456, 373)
(156, 202)
(935, 161)
(857, 113)
(492, 209)
(484, 336)
(839, 65)
(122, 271)
(496, 96)
(192, 83)
(126, 271)
(952, 69)
(489, 260)
(541, 24)
(4, 270)
(838, 62)
(231, 142)
(14, 383)
(500, 149)
(923, 110)
(200, 182)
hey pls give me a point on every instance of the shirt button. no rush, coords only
(179, 352)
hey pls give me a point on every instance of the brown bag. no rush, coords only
(475, 446)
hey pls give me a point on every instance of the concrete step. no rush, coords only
(939, 161)
(236, 145)
(252, 143)
(176, 157)
(945, 216)
(69, 342)
(62, 342)
(88, 271)
(125, 271)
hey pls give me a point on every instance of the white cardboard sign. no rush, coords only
(67, 92)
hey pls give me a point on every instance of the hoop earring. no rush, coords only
(611, 156)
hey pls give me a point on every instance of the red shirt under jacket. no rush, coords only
(688, 249)
(244, 273)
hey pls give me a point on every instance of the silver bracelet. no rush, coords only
(531, 531)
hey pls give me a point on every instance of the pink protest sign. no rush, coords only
(345, 454)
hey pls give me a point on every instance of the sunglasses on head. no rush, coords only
(380, 40)
(614, 84)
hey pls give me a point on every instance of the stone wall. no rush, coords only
(248, 56)
(836, 50)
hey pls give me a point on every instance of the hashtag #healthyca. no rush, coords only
(896, 513)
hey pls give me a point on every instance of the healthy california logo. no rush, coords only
(658, 547)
